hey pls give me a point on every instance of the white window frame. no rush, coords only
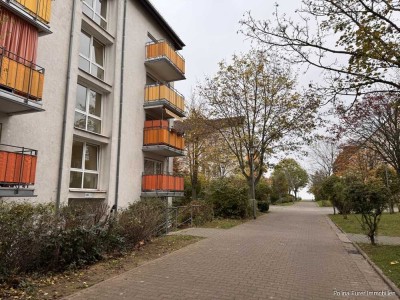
(91, 58)
(154, 167)
(93, 9)
(87, 114)
(83, 170)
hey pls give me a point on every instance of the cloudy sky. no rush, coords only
(209, 29)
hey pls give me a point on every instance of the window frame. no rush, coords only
(91, 59)
(83, 170)
(87, 114)
(155, 162)
(93, 9)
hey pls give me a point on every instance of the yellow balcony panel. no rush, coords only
(167, 63)
(21, 84)
(161, 100)
(36, 12)
(159, 139)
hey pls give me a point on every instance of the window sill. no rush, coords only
(101, 34)
(90, 136)
(93, 82)
(82, 193)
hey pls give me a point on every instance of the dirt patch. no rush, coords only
(54, 286)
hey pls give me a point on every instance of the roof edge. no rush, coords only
(177, 42)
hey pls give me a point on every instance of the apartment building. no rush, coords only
(97, 121)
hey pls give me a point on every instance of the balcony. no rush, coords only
(17, 171)
(36, 12)
(168, 64)
(21, 84)
(160, 100)
(162, 185)
(161, 140)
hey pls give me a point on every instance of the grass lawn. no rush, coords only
(324, 203)
(54, 286)
(387, 258)
(223, 223)
(389, 224)
(284, 204)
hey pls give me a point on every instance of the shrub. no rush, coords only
(199, 210)
(263, 206)
(23, 230)
(138, 222)
(229, 198)
(34, 238)
(263, 190)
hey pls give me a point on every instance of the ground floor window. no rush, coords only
(84, 166)
(152, 166)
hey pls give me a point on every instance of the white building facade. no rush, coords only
(97, 120)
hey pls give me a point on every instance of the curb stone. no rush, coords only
(390, 283)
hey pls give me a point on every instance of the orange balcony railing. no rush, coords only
(17, 166)
(158, 133)
(40, 9)
(162, 182)
(159, 92)
(164, 49)
(20, 76)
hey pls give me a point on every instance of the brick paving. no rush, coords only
(290, 253)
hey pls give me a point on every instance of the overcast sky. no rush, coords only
(209, 30)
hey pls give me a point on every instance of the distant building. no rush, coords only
(87, 103)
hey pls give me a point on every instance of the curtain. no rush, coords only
(18, 37)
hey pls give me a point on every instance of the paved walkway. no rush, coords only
(290, 253)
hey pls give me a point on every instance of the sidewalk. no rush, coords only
(290, 253)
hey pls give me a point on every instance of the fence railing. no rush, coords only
(158, 133)
(20, 76)
(184, 216)
(40, 9)
(162, 182)
(17, 166)
(159, 92)
(162, 48)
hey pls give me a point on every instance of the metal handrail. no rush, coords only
(172, 219)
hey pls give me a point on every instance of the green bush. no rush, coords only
(138, 222)
(263, 206)
(263, 191)
(33, 238)
(229, 197)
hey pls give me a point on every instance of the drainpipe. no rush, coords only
(66, 98)
(121, 102)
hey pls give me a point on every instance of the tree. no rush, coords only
(316, 180)
(280, 185)
(333, 188)
(255, 96)
(374, 124)
(370, 200)
(296, 176)
(390, 179)
(323, 154)
(364, 56)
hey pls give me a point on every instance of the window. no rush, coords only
(88, 110)
(91, 55)
(96, 10)
(152, 167)
(84, 166)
